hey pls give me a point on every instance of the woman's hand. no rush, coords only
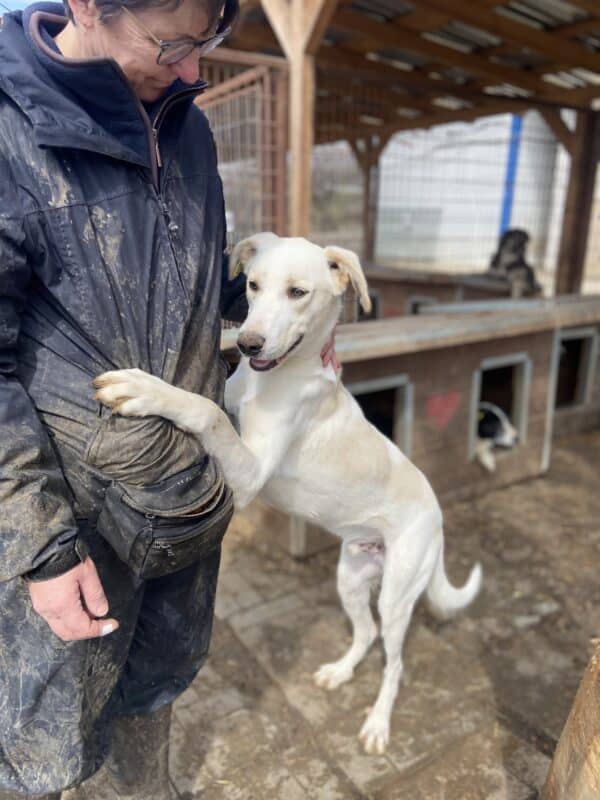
(71, 603)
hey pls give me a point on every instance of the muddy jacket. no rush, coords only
(111, 256)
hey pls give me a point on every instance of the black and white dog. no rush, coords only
(494, 429)
(509, 262)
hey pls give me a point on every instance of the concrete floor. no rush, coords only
(483, 698)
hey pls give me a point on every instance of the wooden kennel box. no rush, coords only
(420, 380)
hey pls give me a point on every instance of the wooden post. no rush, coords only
(368, 154)
(299, 26)
(585, 153)
(302, 114)
(282, 145)
(575, 770)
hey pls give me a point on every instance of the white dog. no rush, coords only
(306, 447)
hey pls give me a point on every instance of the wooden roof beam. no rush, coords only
(280, 19)
(317, 16)
(544, 91)
(544, 43)
(375, 34)
(338, 57)
(423, 122)
(589, 6)
(423, 19)
(580, 28)
(255, 37)
(382, 95)
(299, 24)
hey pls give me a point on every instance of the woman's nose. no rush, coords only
(188, 69)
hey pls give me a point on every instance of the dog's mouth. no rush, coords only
(265, 364)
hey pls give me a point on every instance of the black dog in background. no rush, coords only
(509, 262)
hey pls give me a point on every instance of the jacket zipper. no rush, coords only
(156, 147)
(156, 159)
(154, 129)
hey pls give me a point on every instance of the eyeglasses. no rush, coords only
(171, 52)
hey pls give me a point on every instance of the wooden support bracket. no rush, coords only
(556, 124)
(367, 151)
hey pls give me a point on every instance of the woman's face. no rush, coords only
(125, 39)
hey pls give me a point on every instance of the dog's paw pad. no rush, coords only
(330, 676)
(375, 736)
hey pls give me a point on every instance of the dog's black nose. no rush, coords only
(250, 343)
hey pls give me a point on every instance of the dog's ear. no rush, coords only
(345, 268)
(248, 248)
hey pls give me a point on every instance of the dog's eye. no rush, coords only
(253, 285)
(295, 292)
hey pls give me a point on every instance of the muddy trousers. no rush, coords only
(9, 796)
(5, 796)
(63, 720)
(137, 767)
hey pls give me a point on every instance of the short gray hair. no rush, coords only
(214, 8)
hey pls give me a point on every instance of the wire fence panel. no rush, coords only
(445, 196)
(244, 112)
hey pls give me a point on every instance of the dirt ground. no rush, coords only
(483, 698)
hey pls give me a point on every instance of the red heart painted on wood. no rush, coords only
(441, 408)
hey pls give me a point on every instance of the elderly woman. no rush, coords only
(111, 255)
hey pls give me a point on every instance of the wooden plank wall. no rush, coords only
(442, 394)
(395, 295)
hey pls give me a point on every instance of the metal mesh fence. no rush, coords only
(446, 195)
(244, 109)
(337, 202)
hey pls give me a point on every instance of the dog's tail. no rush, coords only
(445, 600)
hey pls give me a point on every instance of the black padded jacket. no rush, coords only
(112, 233)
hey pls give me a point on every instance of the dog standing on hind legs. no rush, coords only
(306, 447)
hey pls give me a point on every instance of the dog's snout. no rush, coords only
(250, 343)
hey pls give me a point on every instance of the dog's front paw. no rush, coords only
(131, 392)
(330, 676)
(375, 734)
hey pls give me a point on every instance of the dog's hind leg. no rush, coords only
(407, 571)
(355, 575)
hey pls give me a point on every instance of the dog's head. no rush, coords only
(294, 290)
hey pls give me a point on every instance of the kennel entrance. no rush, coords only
(388, 404)
(577, 356)
(504, 381)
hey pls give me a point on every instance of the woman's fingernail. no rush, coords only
(106, 629)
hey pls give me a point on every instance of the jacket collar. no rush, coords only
(86, 104)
